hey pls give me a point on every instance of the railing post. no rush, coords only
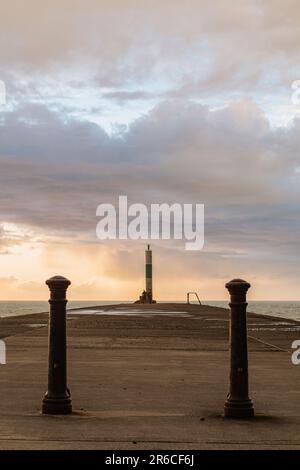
(57, 399)
(238, 403)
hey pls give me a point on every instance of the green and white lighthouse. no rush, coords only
(147, 295)
(148, 274)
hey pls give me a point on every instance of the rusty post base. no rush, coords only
(57, 406)
(238, 408)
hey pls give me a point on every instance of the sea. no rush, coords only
(284, 309)
(12, 308)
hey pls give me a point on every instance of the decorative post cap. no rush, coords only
(58, 286)
(238, 289)
(238, 284)
(58, 281)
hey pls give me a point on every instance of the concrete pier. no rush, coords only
(149, 377)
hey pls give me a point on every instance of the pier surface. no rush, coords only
(149, 377)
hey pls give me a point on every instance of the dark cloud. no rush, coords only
(121, 96)
(55, 173)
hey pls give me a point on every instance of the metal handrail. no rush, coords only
(192, 293)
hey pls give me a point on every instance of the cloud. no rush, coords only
(184, 48)
(57, 172)
(190, 92)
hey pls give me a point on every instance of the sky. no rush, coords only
(187, 102)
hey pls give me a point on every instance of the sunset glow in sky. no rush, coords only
(164, 101)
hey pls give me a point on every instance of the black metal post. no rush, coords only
(238, 403)
(58, 398)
